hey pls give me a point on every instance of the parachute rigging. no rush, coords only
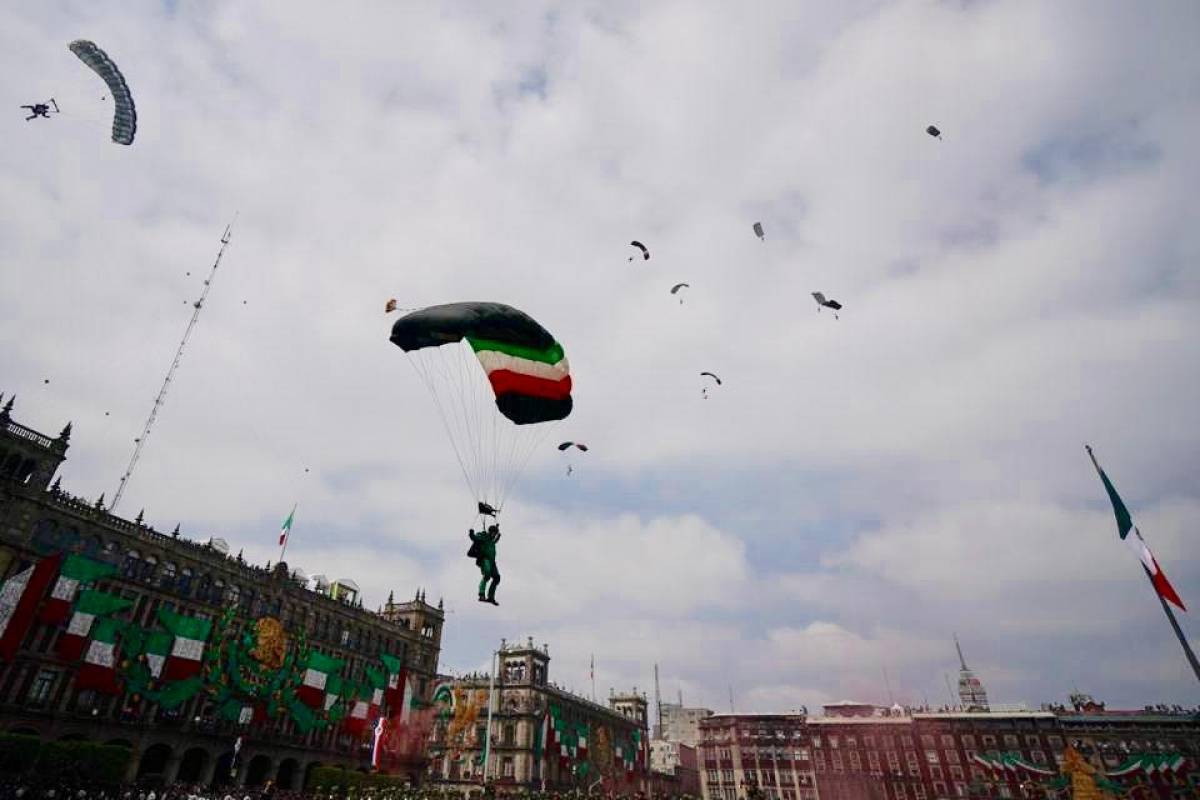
(494, 416)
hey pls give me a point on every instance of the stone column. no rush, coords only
(171, 768)
(135, 761)
(210, 769)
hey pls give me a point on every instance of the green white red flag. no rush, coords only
(92, 607)
(77, 571)
(317, 670)
(1132, 538)
(99, 669)
(187, 647)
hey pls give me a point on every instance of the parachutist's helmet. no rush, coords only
(493, 528)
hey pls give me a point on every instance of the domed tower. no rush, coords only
(971, 693)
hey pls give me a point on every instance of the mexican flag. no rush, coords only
(1132, 538)
(19, 597)
(377, 681)
(318, 668)
(76, 571)
(158, 647)
(187, 648)
(356, 720)
(399, 692)
(333, 691)
(92, 606)
(99, 669)
(287, 527)
(581, 748)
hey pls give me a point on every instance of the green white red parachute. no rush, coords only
(454, 347)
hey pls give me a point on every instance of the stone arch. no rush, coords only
(258, 770)
(191, 767)
(285, 777)
(154, 760)
(308, 772)
(221, 774)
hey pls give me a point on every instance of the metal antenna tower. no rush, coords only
(658, 704)
(197, 307)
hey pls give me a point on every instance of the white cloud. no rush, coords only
(1018, 289)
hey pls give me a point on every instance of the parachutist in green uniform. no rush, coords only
(483, 550)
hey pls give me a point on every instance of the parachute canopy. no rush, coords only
(714, 377)
(526, 367)
(124, 113)
(642, 247)
(675, 289)
(576, 445)
(491, 415)
(934, 132)
(821, 301)
(758, 230)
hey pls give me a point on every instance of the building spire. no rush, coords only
(961, 660)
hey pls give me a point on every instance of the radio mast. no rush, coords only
(197, 307)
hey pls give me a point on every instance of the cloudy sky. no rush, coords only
(855, 492)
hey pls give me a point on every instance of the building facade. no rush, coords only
(746, 756)
(264, 635)
(679, 723)
(856, 751)
(541, 735)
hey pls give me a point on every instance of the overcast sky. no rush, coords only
(854, 493)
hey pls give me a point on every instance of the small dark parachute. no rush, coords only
(934, 132)
(576, 445)
(124, 112)
(675, 290)
(823, 302)
(714, 377)
(642, 247)
(758, 231)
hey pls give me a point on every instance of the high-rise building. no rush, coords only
(971, 693)
(682, 724)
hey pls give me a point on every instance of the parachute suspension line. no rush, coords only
(424, 369)
(198, 306)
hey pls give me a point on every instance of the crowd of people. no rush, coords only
(48, 788)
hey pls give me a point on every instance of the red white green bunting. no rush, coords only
(92, 606)
(99, 669)
(187, 647)
(19, 597)
(75, 573)
(317, 670)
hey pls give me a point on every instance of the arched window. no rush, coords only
(92, 546)
(45, 535)
(185, 581)
(203, 587)
(132, 563)
(168, 575)
(233, 596)
(149, 567)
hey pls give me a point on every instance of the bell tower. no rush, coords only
(27, 457)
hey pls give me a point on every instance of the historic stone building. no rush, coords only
(541, 735)
(152, 574)
(857, 751)
(751, 755)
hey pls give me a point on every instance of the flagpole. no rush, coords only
(288, 535)
(1183, 642)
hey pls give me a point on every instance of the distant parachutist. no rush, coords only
(675, 290)
(934, 132)
(40, 110)
(821, 301)
(758, 231)
(642, 247)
